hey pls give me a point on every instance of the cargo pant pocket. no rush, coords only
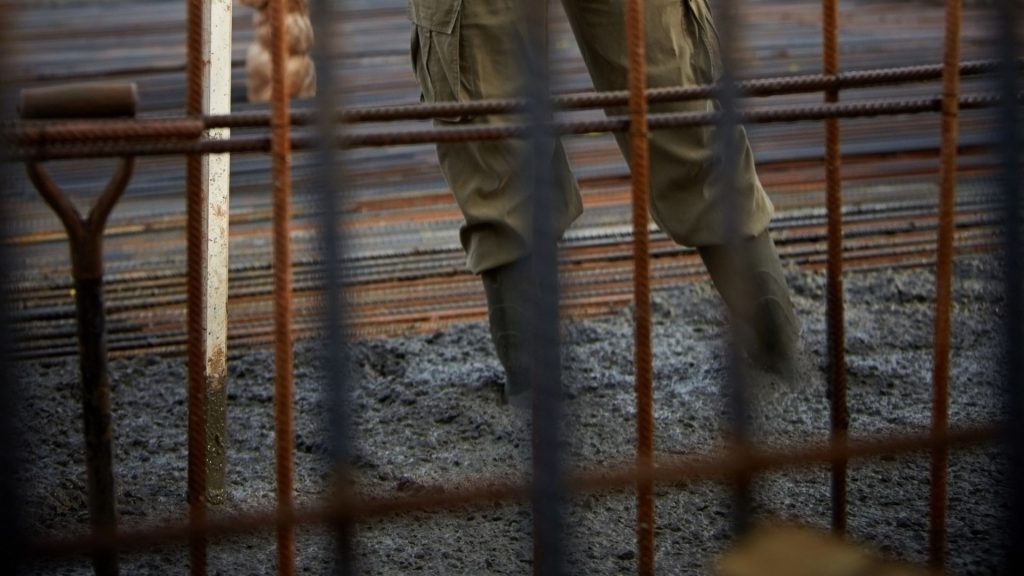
(435, 51)
(707, 52)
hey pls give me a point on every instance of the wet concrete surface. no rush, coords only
(428, 413)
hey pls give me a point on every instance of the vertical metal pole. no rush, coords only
(542, 343)
(11, 532)
(197, 206)
(330, 179)
(216, 176)
(283, 353)
(835, 316)
(1009, 21)
(944, 284)
(727, 151)
(639, 157)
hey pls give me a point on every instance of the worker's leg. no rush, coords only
(688, 191)
(470, 50)
(466, 51)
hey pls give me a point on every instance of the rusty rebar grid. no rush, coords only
(835, 316)
(587, 100)
(670, 471)
(639, 164)
(944, 284)
(29, 132)
(253, 144)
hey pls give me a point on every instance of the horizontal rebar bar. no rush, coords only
(586, 100)
(40, 132)
(244, 144)
(672, 470)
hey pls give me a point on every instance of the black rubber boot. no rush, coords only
(506, 287)
(750, 279)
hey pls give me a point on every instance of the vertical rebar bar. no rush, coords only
(1010, 140)
(543, 348)
(944, 283)
(329, 178)
(196, 226)
(284, 430)
(726, 152)
(835, 315)
(639, 162)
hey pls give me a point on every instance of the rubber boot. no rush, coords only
(505, 287)
(750, 279)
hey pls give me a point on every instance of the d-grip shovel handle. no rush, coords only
(86, 240)
(78, 101)
(86, 234)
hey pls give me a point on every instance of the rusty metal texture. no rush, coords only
(284, 427)
(587, 100)
(85, 130)
(944, 284)
(242, 144)
(1010, 138)
(835, 322)
(196, 202)
(669, 471)
(22, 133)
(639, 163)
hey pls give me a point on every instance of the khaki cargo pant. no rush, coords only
(468, 50)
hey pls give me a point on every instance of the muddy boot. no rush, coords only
(753, 286)
(505, 287)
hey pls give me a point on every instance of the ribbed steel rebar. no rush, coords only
(944, 283)
(586, 100)
(196, 251)
(835, 316)
(242, 144)
(674, 471)
(32, 132)
(639, 164)
(284, 427)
